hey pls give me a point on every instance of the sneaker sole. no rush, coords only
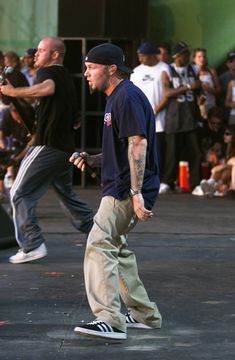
(138, 326)
(36, 257)
(96, 334)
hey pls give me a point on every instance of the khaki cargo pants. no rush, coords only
(110, 268)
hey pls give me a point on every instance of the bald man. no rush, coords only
(47, 161)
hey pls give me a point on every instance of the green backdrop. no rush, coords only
(200, 23)
(24, 22)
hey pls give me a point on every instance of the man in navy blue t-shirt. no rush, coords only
(130, 187)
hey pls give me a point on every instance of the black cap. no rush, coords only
(231, 55)
(30, 52)
(108, 54)
(148, 49)
(179, 48)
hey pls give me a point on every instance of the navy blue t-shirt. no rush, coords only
(128, 113)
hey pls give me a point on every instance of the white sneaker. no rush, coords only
(22, 257)
(197, 191)
(132, 323)
(207, 188)
(218, 193)
(164, 188)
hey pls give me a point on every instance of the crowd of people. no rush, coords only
(193, 105)
(15, 137)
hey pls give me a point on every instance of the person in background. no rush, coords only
(209, 81)
(164, 53)
(147, 76)
(211, 136)
(1, 61)
(130, 187)
(14, 138)
(227, 76)
(211, 142)
(47, 161)
(222, 179)
(181, 121)
(16, 78)
(29, 69)
(230, 102)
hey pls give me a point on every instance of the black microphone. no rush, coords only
(6, 71)
(89, 169)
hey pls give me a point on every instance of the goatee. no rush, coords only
(91, 90)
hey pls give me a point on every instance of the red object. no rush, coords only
(184, 176)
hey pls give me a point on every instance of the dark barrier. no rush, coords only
(7, 233)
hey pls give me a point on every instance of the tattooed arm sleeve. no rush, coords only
(137, 146)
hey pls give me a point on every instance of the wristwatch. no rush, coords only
(134, 192)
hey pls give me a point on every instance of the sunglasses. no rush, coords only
(227, 133)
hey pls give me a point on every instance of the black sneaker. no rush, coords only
(100, 329)
(132, 323)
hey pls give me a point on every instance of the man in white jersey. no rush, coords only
(147, 76)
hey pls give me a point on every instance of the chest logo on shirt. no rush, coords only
(107, 119)
(147, 77)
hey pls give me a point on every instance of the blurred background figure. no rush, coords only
(1, 61)
(227, 76)
(16, 78)
(211, 137)
(222, 180)
(230, 101)
(147, 76)
(14, 141)
(164, 53)
(209, 81)
(28, 68)
(181, 120)
(3, 107)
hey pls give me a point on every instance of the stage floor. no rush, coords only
(186, 258)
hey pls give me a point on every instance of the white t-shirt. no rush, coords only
(148, 79)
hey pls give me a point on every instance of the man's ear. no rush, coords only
(55, 55)
(112, 69)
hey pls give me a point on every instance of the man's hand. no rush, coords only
(7, 90)
(141, 212)
(79, 159)
(195, 84)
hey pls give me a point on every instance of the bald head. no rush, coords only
(56, 44)
(51, 50)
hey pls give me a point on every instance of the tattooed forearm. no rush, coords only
(137, 146)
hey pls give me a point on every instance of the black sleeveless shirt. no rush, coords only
(182, 110)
